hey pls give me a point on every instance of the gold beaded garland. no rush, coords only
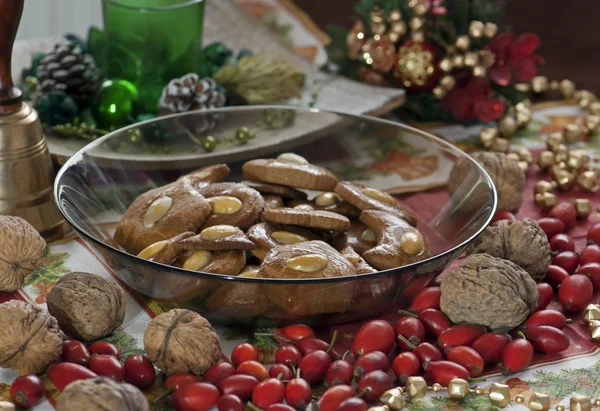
(437, 387)
(567, 89)
(458, 388)
(572, 133)
(487, 136)
(594, 328)
(499, 395)
(416, 387)
(591, 313)
(545, 160)
(490, 30)
(476, 29)
(519, 399)
(507, 126)
(539, 402)
(580, 403)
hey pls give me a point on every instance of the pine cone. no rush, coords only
(67, 69)
(190, 93)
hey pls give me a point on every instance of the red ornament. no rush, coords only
(381, 54)
(473, 98)
(416, 66)
(514, 56)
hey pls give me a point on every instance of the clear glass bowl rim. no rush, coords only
(119, 3)
(201, 275)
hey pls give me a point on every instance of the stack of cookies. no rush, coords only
(267, 227)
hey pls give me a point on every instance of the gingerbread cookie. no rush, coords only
(233, 204)
(360, 237)
(290, 170)
(329, 202)
(367, 198)
(238, 300)
(215, 262)
(282, 191)
(398, 243)
(218, 238)
(311, 259)
(266, 236)
(160, 214)
(165, 251)
(321, 220)
(272, 201)
(205, 175)
(357, 261)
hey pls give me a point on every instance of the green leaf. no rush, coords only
(126, 343)
(50, 269)
(458, 13)
(487, 10)
(510, 93)
(337, 52)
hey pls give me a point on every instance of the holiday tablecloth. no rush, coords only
(559, 375)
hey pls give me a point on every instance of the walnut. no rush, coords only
(522, 242)
(100, 394)
(508, 178)
(21, 248)
(30, 340)
(87, 306)
(182, 341)
(488, 291)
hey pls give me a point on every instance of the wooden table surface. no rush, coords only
(568, 30)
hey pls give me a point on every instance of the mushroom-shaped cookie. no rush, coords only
(329, 201)
(182, 341)
(398, 242)
(160, 214)
(238, 299)
(101, 394)
(165, 251)
(505, 172)
(267, 235)
(87, 306)
(206, 175)
(233, 204)
(308, 218)
(360, 237)
(488, 291)
(521, 241)
(311, 259)
(367, 198)
(30, 340)
(290, 170)
(21, 249)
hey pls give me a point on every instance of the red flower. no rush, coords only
(514, 57)
(473, 99)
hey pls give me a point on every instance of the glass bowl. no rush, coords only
(97, 185)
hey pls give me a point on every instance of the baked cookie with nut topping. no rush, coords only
(218, 238)
(311, 259)
(362, 267)
(267, 235)
(161, 214)
(398, 242)
(233, 204)
(272, 201)
(165, 251)
(290, 170)
(329, 201)
(206, 175)
(360, 237)
(274, 189)
(367, 198)
(214, 262)
(307, 217)
(238, 300)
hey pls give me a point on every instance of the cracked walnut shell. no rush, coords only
(101, 393)
(21, 248)
(522, 242)
(87, 306)
(488, 291)
(30, 340)
(505, 172)
(181, 340)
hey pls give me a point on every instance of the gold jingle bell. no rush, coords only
(524, 154)
(445, 65)
(546, 200)
(539, 402)
(476, 29)
(539, 84)
(545, 160)
(554, 140)
(583, 207)
(566, 88)
(500, 145)
(572, 133)
(487, 136)
(544, 187)
(490, 30)
(507, 126)
(588, 180)
(499, 395)
(591, 313)
(463, 43)
(564, 179)
(393, 398)
(594, 108)
(561, 153)
(592, 123)
(458, 389)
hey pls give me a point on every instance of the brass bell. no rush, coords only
(26, 171)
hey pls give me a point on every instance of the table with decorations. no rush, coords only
(77, 337)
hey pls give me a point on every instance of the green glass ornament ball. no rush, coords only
(115, 103)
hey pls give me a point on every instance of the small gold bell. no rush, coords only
(594, 108)
(439, 92)
(583, 208)
(584, 98)
(490, 30)
(500, 145)
(594, 327)
(554, 140)
(445, 65)
(479, 71)
(524, 154)
(523, 87)
(539, 84)
(592, 123)
(507, 126)
(580, 403)
(448, 82)
(421, 9)
(561, 153)
(564, 179)
(546, 200)
(471, 59)
(476, 29)
(416, 387)
(393, 398)
(588, 180)
(463, 43)
(567, 89)
(543, 187)
(572, 133)
(545, 160)
(591, 313)
(458, 389)
(499, 395)
(458, 61)
(539, 402)
(487, 136)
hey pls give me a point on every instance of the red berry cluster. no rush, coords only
(80, 362)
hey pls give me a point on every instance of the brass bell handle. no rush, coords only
(10, 17)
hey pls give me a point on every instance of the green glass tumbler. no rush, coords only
(149, 42)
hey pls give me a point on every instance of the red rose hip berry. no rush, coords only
(230, 403)
(434, 321)
(591, 271)
(199, 396)
(517, 355)
(593, 234)
(373, 384)
(555, 275)
(490, 346)
(253, 368)
(410, 328)
(545, 295)
(268, 392)
(376, 335)
(107, 366)
(281, 371)
(427, 298)
(139, 371)
(468, 358)
(562, 242)
(372, 361)
(76, 352)
(565, 212)
(104, 347)
(547, 339)
(288, 354)
(503, 215)
(219, 371)
(546, 317)
(551, 226)
(244, 352)
(339, 372)
(575, 293)
(460, 335)
(590, 254)
(313, 366)
(26, 391)
(352, 404)
(298, 393)
(442, 372)
(334, 396)
(180, 380)
(406, 364)
(568, 260)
